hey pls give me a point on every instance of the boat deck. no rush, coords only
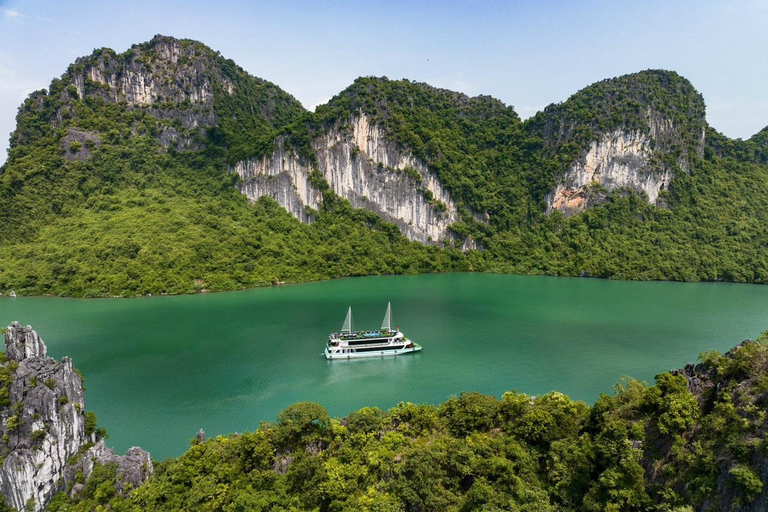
(362, 335)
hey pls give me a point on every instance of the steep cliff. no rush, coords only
(175, 90)
(619, 160)
(629, 133)
(362, 165)
(44, 425)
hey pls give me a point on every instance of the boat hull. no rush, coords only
(372, 353)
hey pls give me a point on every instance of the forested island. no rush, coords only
(695, 440)
(169, 169)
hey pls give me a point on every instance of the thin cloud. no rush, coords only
(11, 14)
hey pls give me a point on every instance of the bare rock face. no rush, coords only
(171, 79)
(42, 424)
(23, 343)
(132, 469)
(619, 160)
(78, 144)
(284, 177)
(361, 165)
(172, 76)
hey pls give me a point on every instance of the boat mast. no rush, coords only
(348, 325)
(386, 325)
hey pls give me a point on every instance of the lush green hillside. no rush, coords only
(694, 440)
(119, 213)
(635, 102)
(117, 183)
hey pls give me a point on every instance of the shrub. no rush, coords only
(747, 480)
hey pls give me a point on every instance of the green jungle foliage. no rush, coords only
(639, 102)
(660, 448)
(104, 197)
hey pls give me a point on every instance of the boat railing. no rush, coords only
(363, 334)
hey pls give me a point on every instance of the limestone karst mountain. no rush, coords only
(169, 169)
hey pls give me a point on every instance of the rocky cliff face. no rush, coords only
(159, 77)
(633, 132)
(622, 159)
(619, 160)
(131, 469)
(175, 90)
(284, 177)
(362, 166)
(43, 424)
(172, 74)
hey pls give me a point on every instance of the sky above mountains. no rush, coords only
(526, 53)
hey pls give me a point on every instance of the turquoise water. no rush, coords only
(158, 369)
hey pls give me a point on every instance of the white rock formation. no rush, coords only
(283, 177)
(623, 159)
(619, 160)
(362, 166)
(138, 83)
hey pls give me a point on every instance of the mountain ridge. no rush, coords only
(176, 139)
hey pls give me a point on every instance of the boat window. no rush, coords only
(379, 349)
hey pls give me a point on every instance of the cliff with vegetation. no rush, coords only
(49, 442)
(695, 440)
(635, 133)
(169, 169)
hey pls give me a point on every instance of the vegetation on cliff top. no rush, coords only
(694, 440)
(107, 197)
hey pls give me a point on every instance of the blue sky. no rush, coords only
(526, 53)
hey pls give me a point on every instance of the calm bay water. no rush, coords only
(158, 369)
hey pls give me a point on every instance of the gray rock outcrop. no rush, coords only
(131, 469)
(43, 426)
(158, 78)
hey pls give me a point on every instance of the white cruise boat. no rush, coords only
(351, 344)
